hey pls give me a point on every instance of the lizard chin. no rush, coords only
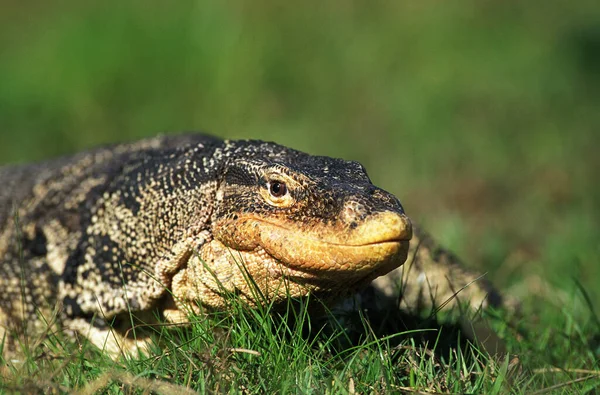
(335, 260)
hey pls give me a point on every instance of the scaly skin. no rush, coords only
(163, 225)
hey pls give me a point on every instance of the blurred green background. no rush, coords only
(482, 116)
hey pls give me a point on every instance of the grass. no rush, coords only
(481, 117)
(263, 350)
(271, 348)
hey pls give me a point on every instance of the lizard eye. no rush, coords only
(277, 189)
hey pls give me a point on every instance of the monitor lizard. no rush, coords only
(172, 224)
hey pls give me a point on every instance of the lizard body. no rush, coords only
(169, 224)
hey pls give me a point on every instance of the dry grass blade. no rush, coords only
(561, 385)
(145, 384)
(244, 350)
(416, 391)
(560, 370)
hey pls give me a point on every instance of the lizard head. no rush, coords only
(316, 221)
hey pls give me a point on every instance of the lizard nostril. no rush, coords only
(354, 211)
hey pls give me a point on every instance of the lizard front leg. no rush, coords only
(172, 273)
(116, 332)
(107, 338)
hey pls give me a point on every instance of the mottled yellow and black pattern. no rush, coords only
(172, 223)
